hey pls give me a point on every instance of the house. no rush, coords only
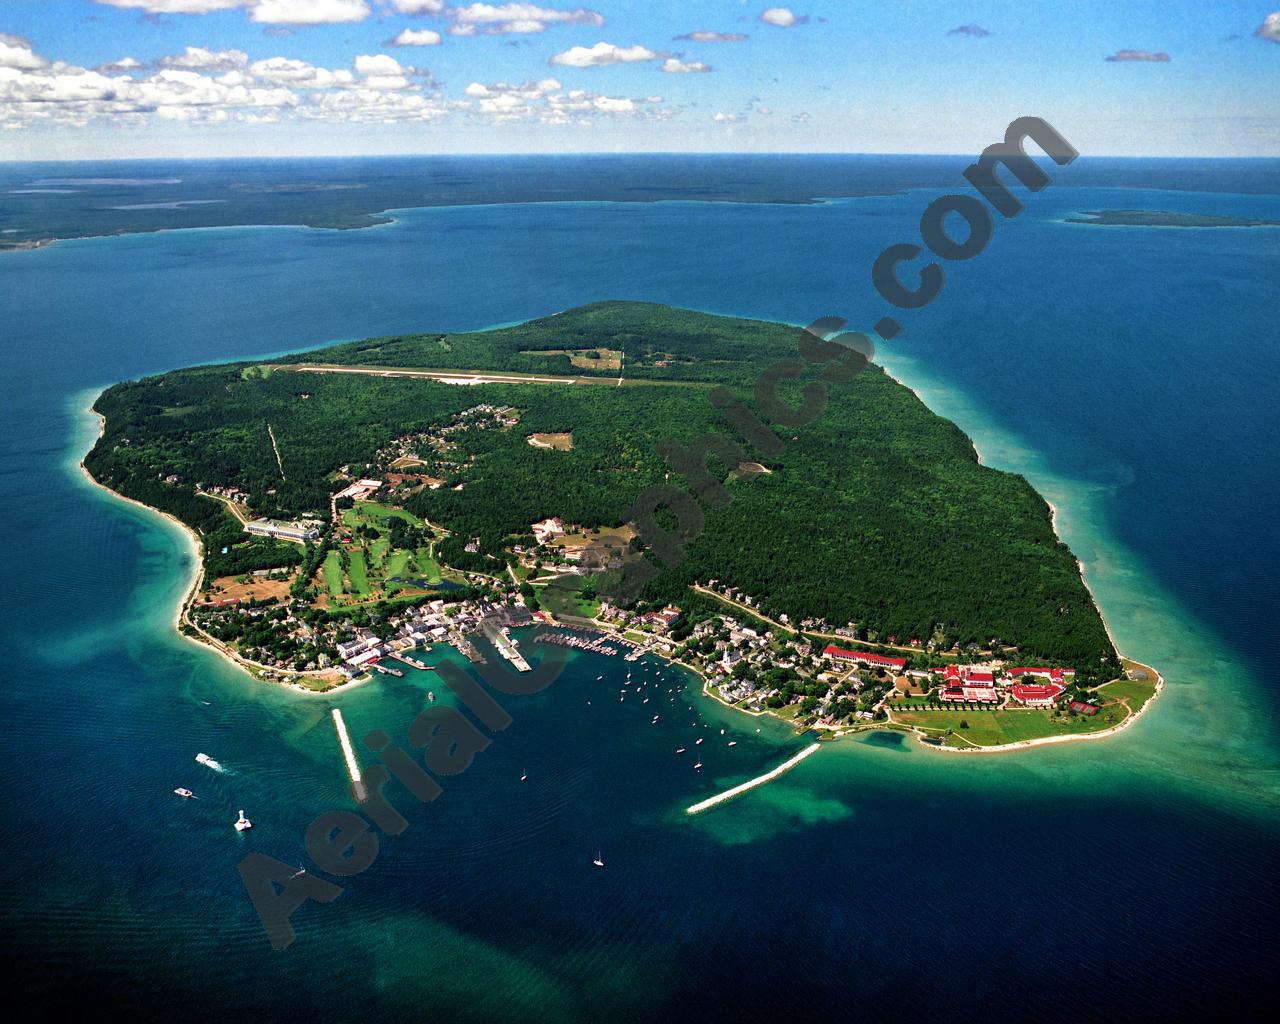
(547, 529)
(864, 658)
(1037, 695)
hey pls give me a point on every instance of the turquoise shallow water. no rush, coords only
(1128, 372)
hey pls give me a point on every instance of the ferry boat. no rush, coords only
(208, 762)
(186, 794)
(243, 823)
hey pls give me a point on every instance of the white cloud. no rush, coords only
(1270, 28)
(720, 117)
(418, 6)
(415, 37)
(125, 64)
(780, 17)
(16, 52)
(1140, 56)
(175, 6)
(197, 58)
(677, 67)
(378, 64)
(309, 12)
(713, 37)
(516, 18)
(603, 54)
(300, 74)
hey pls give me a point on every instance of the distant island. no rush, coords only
(1165, 219)
(355, 503)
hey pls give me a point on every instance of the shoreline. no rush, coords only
(180, 615)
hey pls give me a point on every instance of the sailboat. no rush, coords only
(599, 861)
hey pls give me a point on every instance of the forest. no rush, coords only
(876, 513)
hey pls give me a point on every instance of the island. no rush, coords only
(1165, 219)
(357, 503)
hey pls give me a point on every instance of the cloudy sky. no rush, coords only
(121, 78)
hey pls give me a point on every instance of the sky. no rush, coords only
(116, 79)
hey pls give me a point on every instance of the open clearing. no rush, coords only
(559, 442)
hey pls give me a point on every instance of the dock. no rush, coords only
(506, 647)
(385, 671)
(411, 662)
(759, 780)
(349, 755)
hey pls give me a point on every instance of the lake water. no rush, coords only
(1130, 373)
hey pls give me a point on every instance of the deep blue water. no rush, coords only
(1130, 372)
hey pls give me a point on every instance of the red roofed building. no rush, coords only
(1037, 695)
(965, 691)
(1056, 674)
(864, 657)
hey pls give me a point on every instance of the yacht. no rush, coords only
(186, 794)
(208, 762)
(243, 823)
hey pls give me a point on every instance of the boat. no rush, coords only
(599, 861)
(655, 719)
(431, 696)
(208, 762)
(186, 794)
(733, 743)
(679, 750)
(698, 767)
(243, 823)
(523, 776)
(698, 740)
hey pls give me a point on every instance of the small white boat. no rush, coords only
(208, 762)
(679, 750)
(698, 767)
(698, 741)
(431, 696)
(733, 743)
(186, 794)
(599, 861)
(523, 776)
(243, 823)
(655, 719)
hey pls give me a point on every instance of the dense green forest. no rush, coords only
(876, 513)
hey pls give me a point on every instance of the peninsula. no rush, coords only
(370, 498)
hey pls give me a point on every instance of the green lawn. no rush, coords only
(358, 574)
(1136, 691)
(990, 728)
(398, 563)
(427, 566)
(332, 573)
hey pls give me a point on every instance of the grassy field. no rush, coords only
(992, 728)
(358, 574)
(332, 572)
(1135, 692)
(428, 567)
